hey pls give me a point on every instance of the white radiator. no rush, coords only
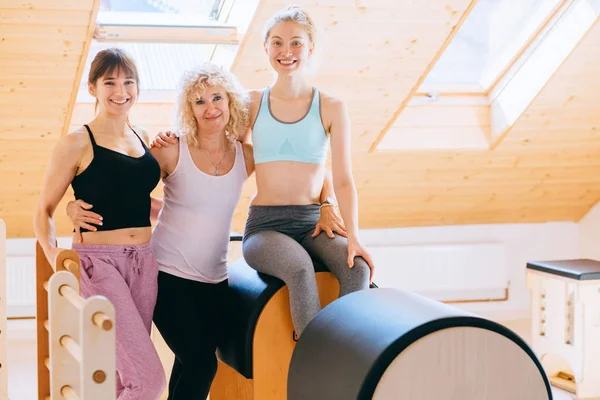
(461, 272)
(20, 276)
(20, 279)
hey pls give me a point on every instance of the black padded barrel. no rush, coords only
(250, 292)
(348, 346)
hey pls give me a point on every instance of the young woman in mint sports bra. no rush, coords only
(292, 124)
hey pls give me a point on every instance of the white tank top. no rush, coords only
(191, 236)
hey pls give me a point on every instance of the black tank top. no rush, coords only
(118, 186)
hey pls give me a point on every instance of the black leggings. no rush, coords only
(191, 316)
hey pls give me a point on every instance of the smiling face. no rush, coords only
(210, 101)
(116, 92)
(288, 47)
(211, 109)
(114, 81)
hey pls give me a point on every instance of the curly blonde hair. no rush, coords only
(197, 80)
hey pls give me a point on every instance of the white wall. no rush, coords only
(20, 275)
(589, 233)
(521, 243)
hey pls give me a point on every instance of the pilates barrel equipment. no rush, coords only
(389, 344)
(254, 358)
(565, 318)
(76, 336)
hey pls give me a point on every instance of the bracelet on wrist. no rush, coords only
(327, 205)
(329, 201)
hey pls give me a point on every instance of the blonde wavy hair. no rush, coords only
(197, 80)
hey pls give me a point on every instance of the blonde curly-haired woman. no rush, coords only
(203, 178)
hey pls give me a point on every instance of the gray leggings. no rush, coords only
(277, 241)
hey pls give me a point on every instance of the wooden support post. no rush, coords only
(43, 273)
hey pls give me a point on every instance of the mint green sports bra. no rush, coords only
(304, 140)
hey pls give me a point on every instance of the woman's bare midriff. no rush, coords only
(288, 183)
(123, 237)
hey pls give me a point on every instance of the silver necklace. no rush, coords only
(215, 165)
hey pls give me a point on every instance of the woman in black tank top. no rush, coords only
(109, 165)
(118, 185)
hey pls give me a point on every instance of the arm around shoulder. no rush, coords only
(167, 158)
(255, 96)
(248, 157)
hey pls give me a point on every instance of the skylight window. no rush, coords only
(161, 65)
(544, 58)
(507, 82)
(167, 37)
(150, 12)
(175, 21)
(490, 39)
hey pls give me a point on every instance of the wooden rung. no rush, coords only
(72, 347)
(47, 363)
(47, 325)
(71, 266)
(564, 381)
(102, 321)
(565, 375)
(72, 296)
(47, 398)
(68, 393)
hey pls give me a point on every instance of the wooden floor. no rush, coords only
(22, 369)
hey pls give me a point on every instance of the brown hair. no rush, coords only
(295, 14)
(110, 60)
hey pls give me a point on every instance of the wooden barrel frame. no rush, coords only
(272, 349)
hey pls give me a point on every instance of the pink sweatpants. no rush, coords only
(127, 276)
